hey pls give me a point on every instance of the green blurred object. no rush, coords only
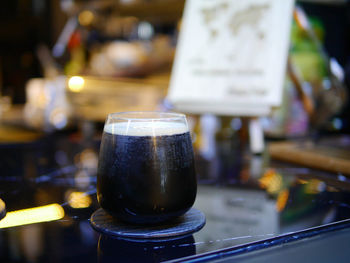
(304, 52)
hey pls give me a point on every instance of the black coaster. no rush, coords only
(190, 222)
(2, 209)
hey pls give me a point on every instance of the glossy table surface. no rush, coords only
(250, 203)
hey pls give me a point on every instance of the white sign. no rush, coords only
(231, 56)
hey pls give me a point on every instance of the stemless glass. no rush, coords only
(146, 170)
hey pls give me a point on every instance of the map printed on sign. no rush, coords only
(231, 56)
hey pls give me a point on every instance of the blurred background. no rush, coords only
(66, 64)
(63, 60)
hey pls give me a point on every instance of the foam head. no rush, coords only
(146, 128)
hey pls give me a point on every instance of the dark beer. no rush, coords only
(145, 177)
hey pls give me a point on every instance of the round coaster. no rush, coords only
(190, 222)
(2, 209)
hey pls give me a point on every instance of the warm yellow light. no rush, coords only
(314, 186)
(301, 181)
(271, 181)
(86, 17)
(282, 200)
(79, 200)
(32, 215)
(76, 83)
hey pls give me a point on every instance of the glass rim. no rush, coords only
(136, 116)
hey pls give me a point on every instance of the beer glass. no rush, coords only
(146, 170)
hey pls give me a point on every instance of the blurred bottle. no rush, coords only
(313, 91)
